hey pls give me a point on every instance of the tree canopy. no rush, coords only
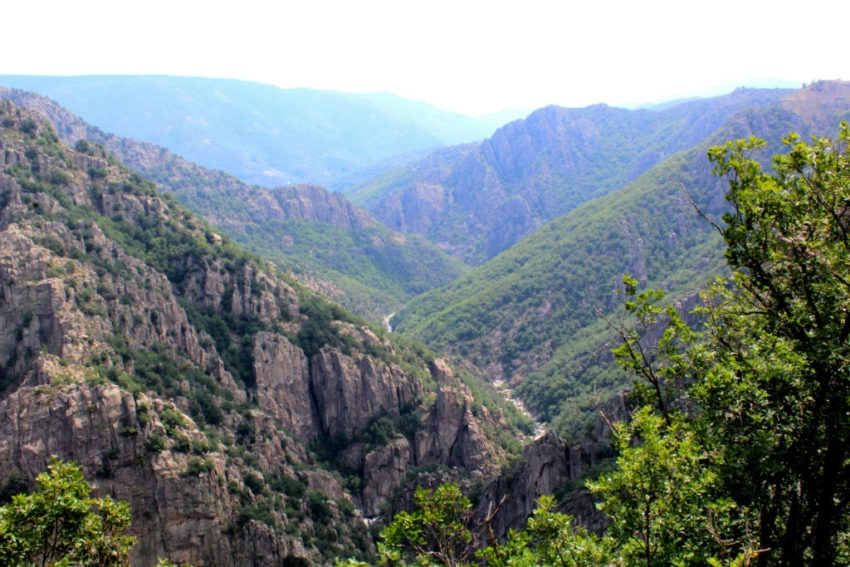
(774, 393)
(435, 533)
(60, 524)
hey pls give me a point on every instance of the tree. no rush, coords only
(550, 539)
(742, 451)
(664, 498)
(661, 365)
(435, 533)
(775, 393)
(59, 524)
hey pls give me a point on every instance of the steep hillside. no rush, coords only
(245, 419)
(325, 241)
(533, 316)
(475, 201)
(259, 133)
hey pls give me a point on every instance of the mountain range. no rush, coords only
(477, 200)
(262, 134)
(229, 403)
(330, 244)
(535, 315)
(531, 314)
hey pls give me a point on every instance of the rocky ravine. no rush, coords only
(173, 368)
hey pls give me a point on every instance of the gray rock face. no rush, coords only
(353, 391)
(516, 222)
(384, 470)
(310, 202)
(99, 427)
(283, 384)
(548, 464)
(330, 394)
(451, 435)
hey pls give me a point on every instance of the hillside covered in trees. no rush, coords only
(738, 453)
(535, 316)
(321, 238)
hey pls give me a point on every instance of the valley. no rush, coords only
(266, 372)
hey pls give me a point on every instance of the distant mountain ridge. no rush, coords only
(477, 200)
(262, 134)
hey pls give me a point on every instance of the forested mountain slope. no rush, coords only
(246, 420)
(533, 316)
(320, 237)
(262, 134)
(477, 200)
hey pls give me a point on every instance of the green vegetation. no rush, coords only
(113, 225)
(531, 316)
(533, 312)
(375, 270)
(777, 346)
(550, 538)
(60, 524)
(739, 454)
(372, 270)
(665, 498)
(435, 533)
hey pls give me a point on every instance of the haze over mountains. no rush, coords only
(477, 200)
(329, 243)
(262, 134)
(533, 315)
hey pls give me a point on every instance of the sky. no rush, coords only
(469, 56)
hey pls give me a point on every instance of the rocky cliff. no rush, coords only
(245, 419)
(551, 465)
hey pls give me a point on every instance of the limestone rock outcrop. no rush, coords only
(548, 464)
(352, 391)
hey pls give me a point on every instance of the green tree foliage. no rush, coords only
(664, 498)
(658, 364)
(766, 387)
(435, 533)
(775, 393)
(60, 524)
(741, 452)
(550, 539)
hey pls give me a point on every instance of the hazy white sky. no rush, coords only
(470, 56)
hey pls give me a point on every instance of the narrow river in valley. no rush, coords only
(539, 428)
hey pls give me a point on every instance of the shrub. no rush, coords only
(155, 442)
(197, 466)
